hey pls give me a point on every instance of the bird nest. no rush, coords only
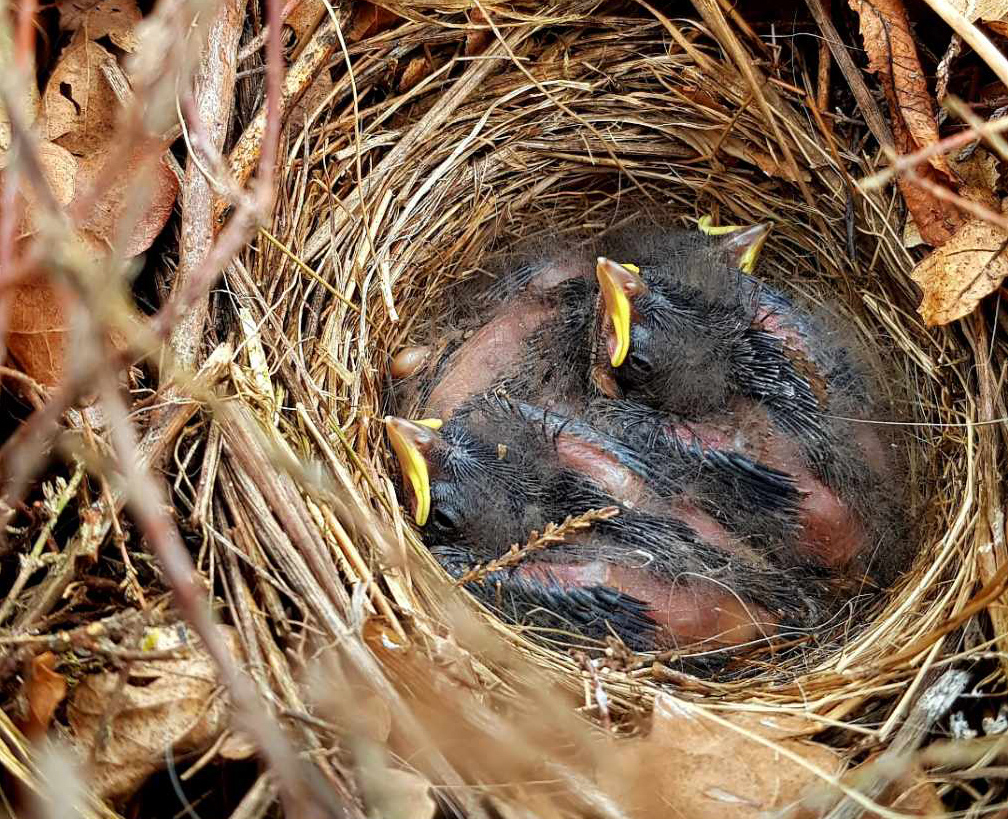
(575, 120)
(403, 178)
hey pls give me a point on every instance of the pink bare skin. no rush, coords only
(602, 467)
(409, 361)
(796, 345)
(486, 355)
(693, 611)
(498, 345)
(832, 533)
(556, 273)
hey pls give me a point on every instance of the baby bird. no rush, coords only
(651, 372)
(515, 314)
(662, 572)
(688, 332)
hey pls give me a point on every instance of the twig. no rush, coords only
(823, 77)
(551, 535)
(30, 562)
(120, 85)
(927, 710)
(904, 162)
(214, 99)
(251, 210)
(987, 51)
(254, 141)
(866, 102)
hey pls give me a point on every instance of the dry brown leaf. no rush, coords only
(78, 104)
(911, 234)
(237, 745)
(37, 319)
(153, 196)
(959, 274)
(706, 141)
(691, 766)
(32, 103)
(416, 69)
(892, 55)
(37, 328)
(998, 27)
(304, 19)
(936, 220)
(397, 794)
(44, 690)
(313, 97)
(477, 39)
(115, 19)
(370, 19)
(978, 170)
(162, 705)
(985, 10)
(912, 795)
(59, 167)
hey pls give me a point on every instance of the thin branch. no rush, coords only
(901, 164)
(551, 535)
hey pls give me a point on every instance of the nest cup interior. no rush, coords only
(606, 116)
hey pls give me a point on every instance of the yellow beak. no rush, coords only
(619, 283)
(748, 239)
(409, 440)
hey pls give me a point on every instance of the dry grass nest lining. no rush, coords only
(575, 121)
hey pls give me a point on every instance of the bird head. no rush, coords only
(670, 324)
(467, 485)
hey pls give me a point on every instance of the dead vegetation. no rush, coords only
(220, 455)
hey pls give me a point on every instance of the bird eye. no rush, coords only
(639, 363)
(443, 520)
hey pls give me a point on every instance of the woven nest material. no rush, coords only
(573, 118)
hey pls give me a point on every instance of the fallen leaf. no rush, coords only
(705, 141)
(692, 766)
(370, 19)
(304, 19)
(313, 97)
(911, 234)
(397, 794)
(978, 170)
(36, 311)
(985, 10)
(37, 328)
(998, 27)
(162, 705)
(936, 219)
(913, 795)
(961, 272)
(477, 39)
(78, 103)
(416, 69)
(236, 746)
(32, 103)
(115, 19)
(892, 55)
(59, 167)
(147, 199)
(44, 690)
